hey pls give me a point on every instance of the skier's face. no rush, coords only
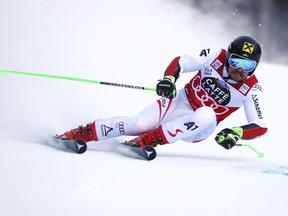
(238, 74)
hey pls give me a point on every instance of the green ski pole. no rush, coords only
(260, 154)
(77, 79)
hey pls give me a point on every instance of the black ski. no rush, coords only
(78, 146)
(146, 152)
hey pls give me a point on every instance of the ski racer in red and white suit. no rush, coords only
(192, 113)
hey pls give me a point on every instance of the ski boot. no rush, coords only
(150, 138)
(87, 133)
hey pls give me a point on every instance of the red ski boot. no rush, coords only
(87, 133)
(152, 138)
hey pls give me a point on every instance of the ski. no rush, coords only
(78, 146)
(146, 152)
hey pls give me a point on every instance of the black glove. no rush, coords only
(166, 88)
(229, 137)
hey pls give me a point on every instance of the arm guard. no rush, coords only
(173, 68)
(251, 131)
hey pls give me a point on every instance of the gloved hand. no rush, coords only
(229, 137)
(166, 87)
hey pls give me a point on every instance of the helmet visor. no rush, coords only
(247, 65)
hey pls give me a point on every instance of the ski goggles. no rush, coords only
(247, 65)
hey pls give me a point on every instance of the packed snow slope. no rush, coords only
(128, 42)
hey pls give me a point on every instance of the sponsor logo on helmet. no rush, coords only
(248, 47)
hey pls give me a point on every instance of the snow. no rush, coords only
(125, 42)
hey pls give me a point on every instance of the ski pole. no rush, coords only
(260, 154)
(77, 79)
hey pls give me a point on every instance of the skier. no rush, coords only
(225, 81)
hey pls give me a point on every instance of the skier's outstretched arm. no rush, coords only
(256, 126)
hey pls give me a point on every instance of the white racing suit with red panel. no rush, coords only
(198, 107)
